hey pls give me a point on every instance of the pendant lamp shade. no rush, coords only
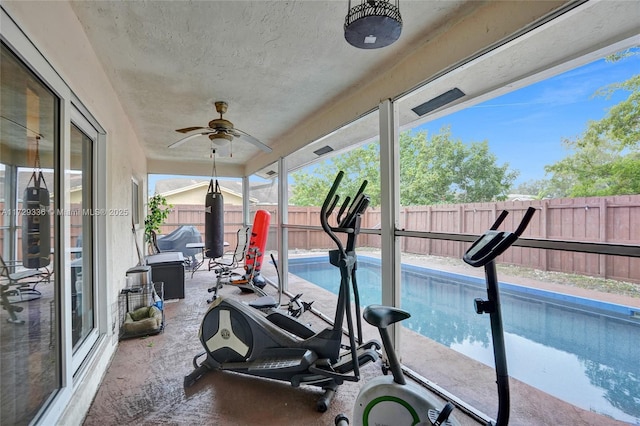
(372, 24)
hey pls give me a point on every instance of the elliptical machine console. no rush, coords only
(237, 337)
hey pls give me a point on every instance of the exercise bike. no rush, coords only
(239, 338)
(394, 401)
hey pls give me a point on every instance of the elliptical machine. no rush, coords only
(386, 400)
(237, 337)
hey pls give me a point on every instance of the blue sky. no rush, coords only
(525, 128)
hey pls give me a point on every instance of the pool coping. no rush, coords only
(619, 311)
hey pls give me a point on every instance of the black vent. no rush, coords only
(438, 101)
(322, 151)
(271, 173)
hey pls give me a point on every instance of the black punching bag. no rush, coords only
(36, 226)
(214, 222)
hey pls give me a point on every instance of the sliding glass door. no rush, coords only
(30, 326)
(82, 215)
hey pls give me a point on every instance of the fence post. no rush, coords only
(602, 258)
(429, 228)
(545, 233)
(404, 214)
(461, 229)
(308, 232)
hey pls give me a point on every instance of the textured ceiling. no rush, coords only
(275, 62)
(280, 65)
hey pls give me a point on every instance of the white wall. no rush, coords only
(55, 31)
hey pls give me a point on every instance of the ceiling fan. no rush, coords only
(220, 131)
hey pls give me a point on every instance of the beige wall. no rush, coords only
(55, 31)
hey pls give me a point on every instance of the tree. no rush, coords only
(441, 169)
(606, 157)
(159, 210)
(311, 186)
(433, 170)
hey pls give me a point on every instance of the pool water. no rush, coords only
(583, 351)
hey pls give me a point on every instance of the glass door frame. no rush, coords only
(88, 243)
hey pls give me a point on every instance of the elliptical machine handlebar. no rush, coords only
(353, 208)
(329, 204)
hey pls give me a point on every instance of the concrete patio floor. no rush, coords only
(144, 383)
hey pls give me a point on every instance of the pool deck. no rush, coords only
(144, 383)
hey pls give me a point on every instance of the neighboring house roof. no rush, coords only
(197, 185)
(167, 185)
(176, 186)
(520, 197)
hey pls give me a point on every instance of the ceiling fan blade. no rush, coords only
(189, 129)
(186, 138)
(255, 142)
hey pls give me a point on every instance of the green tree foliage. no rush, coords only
(442, 169)
(433, 170)
(606, 157)
(159, 210)
(310, 186)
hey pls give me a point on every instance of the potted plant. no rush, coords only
(159, 210)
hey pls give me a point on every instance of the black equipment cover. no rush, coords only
(214, 222)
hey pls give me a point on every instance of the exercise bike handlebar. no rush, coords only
(493, 242)
(525, 221)
(499, 220)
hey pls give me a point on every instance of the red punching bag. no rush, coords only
(214, 222)
(257, 241)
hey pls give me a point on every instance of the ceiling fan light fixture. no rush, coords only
(220, 132)
(220, 139)
(373, 24)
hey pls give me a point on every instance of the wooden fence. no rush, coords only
(614, 219)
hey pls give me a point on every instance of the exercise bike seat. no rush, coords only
(383, 316)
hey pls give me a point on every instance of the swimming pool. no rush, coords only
(583, 351)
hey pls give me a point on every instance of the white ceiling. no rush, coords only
(289, 76)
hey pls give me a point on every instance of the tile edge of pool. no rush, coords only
(619, 310)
